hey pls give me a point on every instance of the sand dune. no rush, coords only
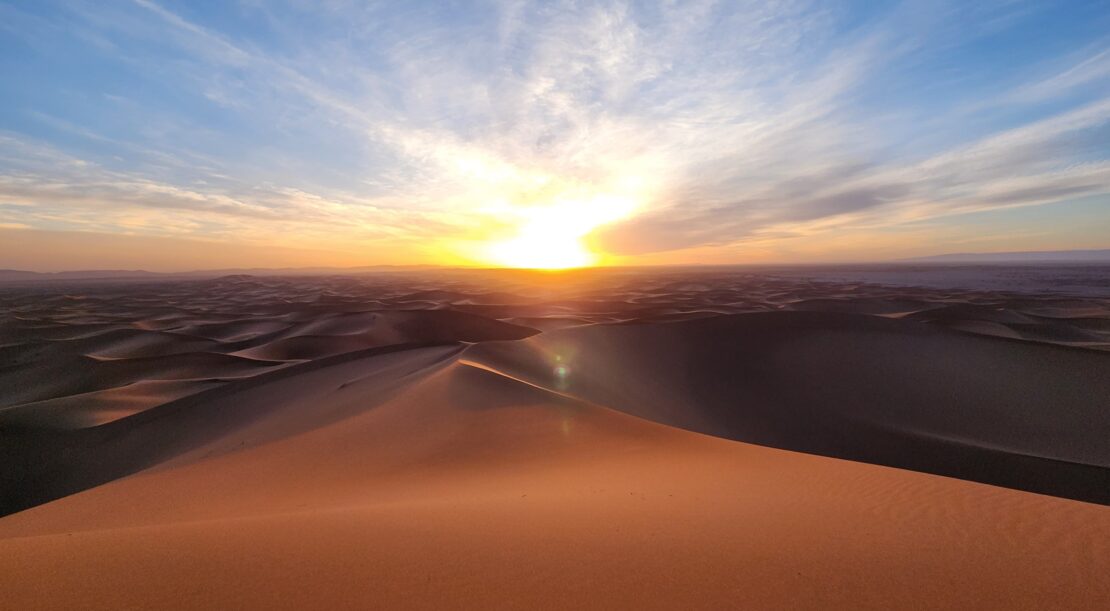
(100, 406)
(468, 488)
(79, 374)
(317, 442)
(885, 391)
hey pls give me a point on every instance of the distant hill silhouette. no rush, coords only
(1047, 256)
(13, 275)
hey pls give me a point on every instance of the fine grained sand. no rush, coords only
(390, 441)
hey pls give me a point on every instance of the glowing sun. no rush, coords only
(533, 219)
(551, 236)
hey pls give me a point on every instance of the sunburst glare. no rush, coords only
(551, 235)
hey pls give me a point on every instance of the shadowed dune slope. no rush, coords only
(892, 392)
(39, 465)
(57, 376)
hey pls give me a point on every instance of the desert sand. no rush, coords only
(597, 439)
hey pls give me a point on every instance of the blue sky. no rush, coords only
(395, 132)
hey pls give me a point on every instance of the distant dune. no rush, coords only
(618, 439)
(12, 275)
(1047, 256)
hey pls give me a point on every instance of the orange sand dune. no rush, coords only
(471, 489)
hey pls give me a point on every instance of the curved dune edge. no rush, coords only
(55, 368)
(891, 392)
(411, 479)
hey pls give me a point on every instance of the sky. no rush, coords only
(161, 135)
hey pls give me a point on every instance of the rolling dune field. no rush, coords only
(595, 439)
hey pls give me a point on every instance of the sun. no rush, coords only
(539, 249)
(551, 236)
(525, 217)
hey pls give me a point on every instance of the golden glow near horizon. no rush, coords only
(550, 235)
(538, 221)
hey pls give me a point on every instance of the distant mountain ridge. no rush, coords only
(1046, 256)
(14, 275)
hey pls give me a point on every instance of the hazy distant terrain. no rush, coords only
(13, 275)
(1089, 279)
(1052, 256)
(1084, 272)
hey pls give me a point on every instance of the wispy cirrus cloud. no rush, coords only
(410, 122)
